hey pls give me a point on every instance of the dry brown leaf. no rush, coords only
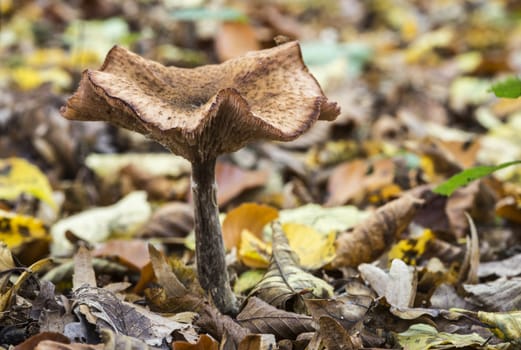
(54, 345)
(500, 295)
(346, 310)
(205, 342)
(232, 181)
(83, 270)
(32, 342)
(260, 317)
(235, 39)
(248, 216)
(331, 336)
(258, 342)
(165, 277)
(118, 341)
(369, 239)
(470, 265)
(476, 199)
(106, 311)
(131, 253)
(174, 219)
(344, 183)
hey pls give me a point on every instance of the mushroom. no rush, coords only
(203, 112)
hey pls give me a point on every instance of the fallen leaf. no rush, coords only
(346, 310)
(284, 279)
(506, 325)
(106, 311)
(371, 237)
(344, 183)
(33, 342)
(83, 271)
(108, 166)
(235, 39)
(254, 252)
(132, 253)
(18, 176)
(248, 280)
(248, 216)
(509, 267)
(232, 181)
(205, 342)
(313, 249)
(261, 317)
(500, 295)
(422, 337)
(173, 219)
(258, 342)
(331, 335)
(96, 225)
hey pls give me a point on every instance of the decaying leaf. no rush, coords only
(371, 237)
(331, 336)
(470, 265)
(398, 286)
(284, 279)
(7, 294)
(18, 176)
(500, 295)
(261, 317)
(346, 310)
(106, 311)
(165, 277)
(18, 231)
(83, 270)
(96, 225)
(506, 325)
(232, 181)
(172, 220)
(422, 337)
(410, 249)
(132, 253)
(509, 267)
(258, 342)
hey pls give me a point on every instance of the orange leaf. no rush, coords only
(250, 216)
(205, 342)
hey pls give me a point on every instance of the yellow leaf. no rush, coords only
(254, 252)
(18, 176)
(47, 57)
(410, 249)
(15, 230)
(313, 249)
(506, 325)
(26, 78)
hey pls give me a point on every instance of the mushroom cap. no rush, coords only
(200, 113)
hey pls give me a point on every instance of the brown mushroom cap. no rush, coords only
(202, 112)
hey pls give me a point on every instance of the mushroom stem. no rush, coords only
(209, 246)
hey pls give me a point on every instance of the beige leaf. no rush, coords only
(284, 279)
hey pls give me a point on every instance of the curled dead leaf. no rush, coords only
(370, 238)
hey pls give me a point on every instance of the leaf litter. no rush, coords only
(368, 254)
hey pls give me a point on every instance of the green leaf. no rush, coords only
(509, 88)
(468, 175)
